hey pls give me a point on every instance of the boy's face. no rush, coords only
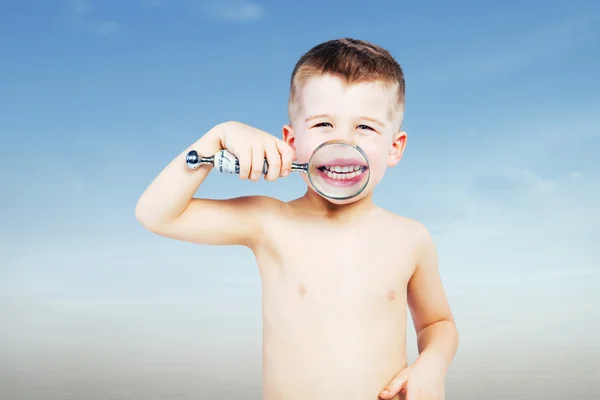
(365, 114)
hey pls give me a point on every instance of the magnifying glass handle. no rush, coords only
(225, 162)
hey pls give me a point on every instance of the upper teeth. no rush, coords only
(346, 168)
(343, 173)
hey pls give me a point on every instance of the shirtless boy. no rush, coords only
(337, 276)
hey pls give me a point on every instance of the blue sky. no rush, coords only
(503, 117)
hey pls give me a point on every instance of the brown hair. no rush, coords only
(351, 59)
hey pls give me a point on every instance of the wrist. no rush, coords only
(211, 142)
(434, 361)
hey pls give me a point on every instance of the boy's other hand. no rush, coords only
(252, 146)
(424, 380)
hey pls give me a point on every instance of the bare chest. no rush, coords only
(352, 268)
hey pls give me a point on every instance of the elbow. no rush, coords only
(447, 324)
(452, 331)
(145, 216)
(152, 219)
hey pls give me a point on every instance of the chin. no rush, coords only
(364, 194)
(344, 201)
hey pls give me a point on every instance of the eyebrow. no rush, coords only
(376, 121)
(316, 116)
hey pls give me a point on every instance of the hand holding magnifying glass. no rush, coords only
(337, 170)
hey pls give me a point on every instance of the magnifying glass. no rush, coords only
(337, 170)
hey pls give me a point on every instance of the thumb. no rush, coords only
(396, 384)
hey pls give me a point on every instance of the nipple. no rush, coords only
(302, 290)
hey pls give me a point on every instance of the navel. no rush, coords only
(302, 290)
(391, 295)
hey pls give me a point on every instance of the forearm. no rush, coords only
(438, 342)
(171, 192)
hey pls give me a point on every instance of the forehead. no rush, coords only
(327, 94)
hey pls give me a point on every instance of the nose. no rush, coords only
(343, 133)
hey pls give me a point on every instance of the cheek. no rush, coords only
(378, 157)
(304, 148)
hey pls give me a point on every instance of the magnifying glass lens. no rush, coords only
(338, 170)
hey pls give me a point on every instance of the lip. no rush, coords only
(342, 162)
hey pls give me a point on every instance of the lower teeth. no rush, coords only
(342, 175)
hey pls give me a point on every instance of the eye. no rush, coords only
(365, 127)
(322, 124)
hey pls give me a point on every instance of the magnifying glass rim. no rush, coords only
(343, 142)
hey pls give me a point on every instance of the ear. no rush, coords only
(289, 136)
(397, 148)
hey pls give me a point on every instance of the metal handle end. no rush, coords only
(192, 160)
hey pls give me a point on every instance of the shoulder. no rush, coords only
(405, 223)
(262, 206)
(260, 202)
(419, 235)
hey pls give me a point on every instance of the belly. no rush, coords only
(329, 366)
(331, 340)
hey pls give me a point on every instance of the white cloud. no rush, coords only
(551, 275)
(513, 187)
(104, 28)
(503, 280)
(237, 278)
(81, 7)
(235, 11)
(576, 175)
(494, 57)
(82, 10)
(517, 227)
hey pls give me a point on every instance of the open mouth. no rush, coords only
(343, 171)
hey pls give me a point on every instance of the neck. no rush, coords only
(317, 204)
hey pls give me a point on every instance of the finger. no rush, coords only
(395, 385)
(245, 163)
(258, 160)
(274, 161)
(287, 155)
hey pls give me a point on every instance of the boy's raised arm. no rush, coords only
(167, 206)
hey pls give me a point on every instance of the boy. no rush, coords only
(337, 276)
